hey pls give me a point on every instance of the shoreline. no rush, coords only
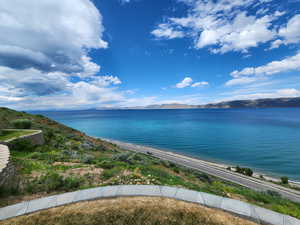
(256, 175)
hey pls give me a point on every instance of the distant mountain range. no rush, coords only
(258, 103)
(164, 106)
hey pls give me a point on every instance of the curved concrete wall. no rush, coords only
(7, 170)
(242, 209)
(36, 137)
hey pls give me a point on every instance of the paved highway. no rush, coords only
(212, 169)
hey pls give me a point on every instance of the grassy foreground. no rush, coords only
(131, 211)
(69, 160)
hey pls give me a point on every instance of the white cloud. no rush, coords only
(276, 44)
(125, 1)
(280, 93)
(224, 25)
(187, 81)
(291, 32)
(29, 87)
(87, 93)
(165, 31)
(290, 92)
(31, 81)
(44, 60)
(285, 65)
(199, 84)
(54, 36)
(241, 81)
(104, 81)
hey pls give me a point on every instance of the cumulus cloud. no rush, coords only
(285, 65)
(280, 93)
(199, 84)
(166, 31)
(241, 81)
(104, 81)
(224, 25)
(54, 36)
(253, 74)
(32, 82)
(29, 87)
(188, 82)
(291, 32)
(44, 61)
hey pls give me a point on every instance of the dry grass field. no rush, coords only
(130, 211)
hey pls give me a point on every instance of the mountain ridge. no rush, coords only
(257, 103)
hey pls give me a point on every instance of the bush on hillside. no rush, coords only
(21, 124)
(89, 159)
(105, 164)
(53, 181)
(284, 180)
(245, 171)
(22, 145)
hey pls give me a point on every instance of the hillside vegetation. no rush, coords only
(69, 160)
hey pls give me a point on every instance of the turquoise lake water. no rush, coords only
(267, 140)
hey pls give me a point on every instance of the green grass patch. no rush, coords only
(54, 182)
(28, 166)
(6, 135)
(107, 174)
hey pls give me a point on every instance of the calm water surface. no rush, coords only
(264, 139)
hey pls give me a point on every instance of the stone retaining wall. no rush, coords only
(7, 175)
(242, 209)
(7, 170)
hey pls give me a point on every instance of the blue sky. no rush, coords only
(77, 54)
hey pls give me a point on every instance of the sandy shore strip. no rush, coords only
(215, 169)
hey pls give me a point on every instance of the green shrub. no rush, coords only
(284, 180)
(248, 172)
(124, 157)
(52, 181)
(273, 193)
(105, 164)
(36, 155)
(22, 145)
(204, 178)
(107, 174)
(239, 169)
(176, 169)
(101, 147)
(50, 156)
(72, 183)
(21, 124)
(245, 171)
(89, 159)
(165, 163)
(49, 134)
